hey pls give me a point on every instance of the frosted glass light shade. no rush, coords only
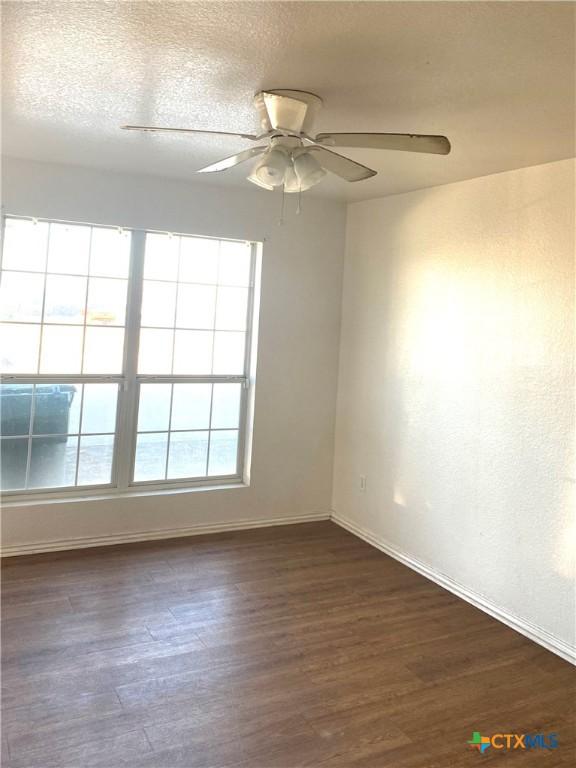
(255, 180)
(279, 168)
(272, 168)
(308, 170)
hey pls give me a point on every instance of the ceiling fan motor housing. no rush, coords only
(294, 113)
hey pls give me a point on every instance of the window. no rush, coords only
(125, 357)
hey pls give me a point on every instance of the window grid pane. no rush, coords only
(187, 430)
(63, 299)
(198, 290)
(59, 279)
(55, 429)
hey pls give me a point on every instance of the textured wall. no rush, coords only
(297, 345)
(456, 385)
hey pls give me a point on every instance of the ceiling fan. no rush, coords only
(291, 158)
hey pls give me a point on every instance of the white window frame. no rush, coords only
(130, 381)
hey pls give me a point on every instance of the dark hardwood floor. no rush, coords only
(292, 646)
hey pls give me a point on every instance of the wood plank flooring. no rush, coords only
(278, 647)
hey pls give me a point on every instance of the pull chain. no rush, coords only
(299, 206)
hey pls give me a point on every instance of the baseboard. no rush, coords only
(168, 533)
(526, 628)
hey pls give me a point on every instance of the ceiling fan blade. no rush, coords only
(160, 129)
(230, 162)
(341, 166)
(403, 142)
(284, 113)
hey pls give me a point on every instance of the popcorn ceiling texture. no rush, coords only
(497, 78)
(456, 385)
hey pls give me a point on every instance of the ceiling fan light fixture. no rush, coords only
(271, 170)
(255, 180)
(308, 170)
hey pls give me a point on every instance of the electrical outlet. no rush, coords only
(362, 483)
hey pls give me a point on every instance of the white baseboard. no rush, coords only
(526, 628)
(168, 533)
(533, 632)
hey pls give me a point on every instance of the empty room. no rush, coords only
(287, 408)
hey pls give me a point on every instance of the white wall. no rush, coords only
(456, 395)
(297, 347)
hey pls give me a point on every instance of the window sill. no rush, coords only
(110, 494)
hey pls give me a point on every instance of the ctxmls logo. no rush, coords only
(513, 741)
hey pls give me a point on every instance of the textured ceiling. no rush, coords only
(496, 77)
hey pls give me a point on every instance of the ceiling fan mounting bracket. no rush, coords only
(306, 96)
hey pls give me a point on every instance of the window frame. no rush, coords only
(130, 381)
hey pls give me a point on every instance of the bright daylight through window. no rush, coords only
(125, 357)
